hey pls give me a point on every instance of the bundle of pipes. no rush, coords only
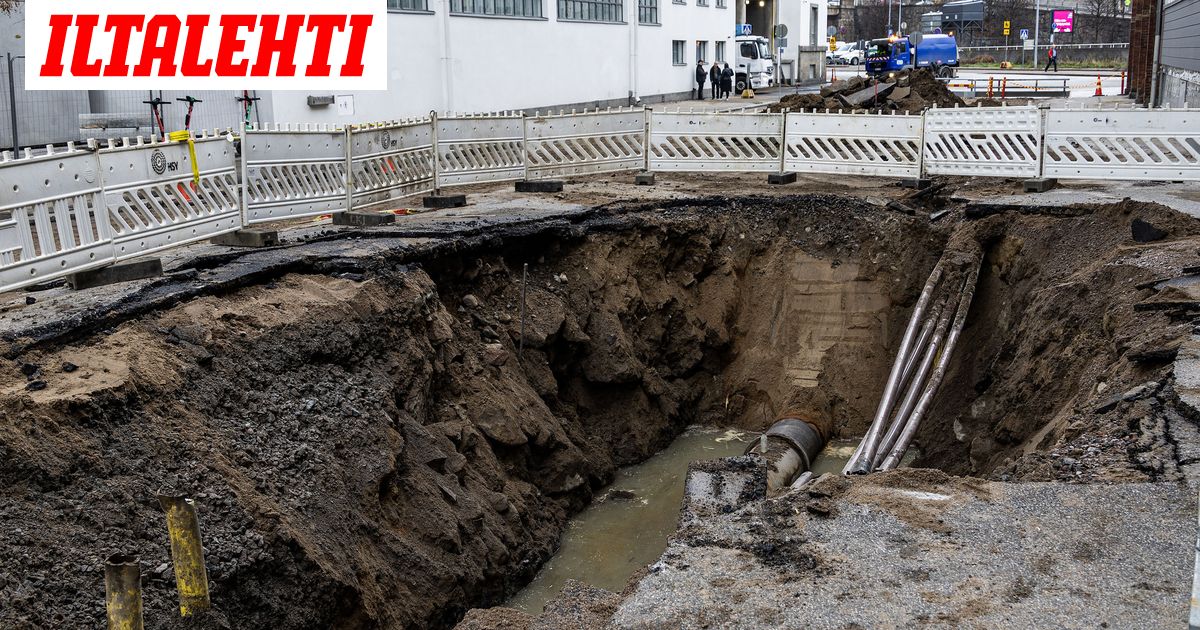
(928, 343)
(790, 446)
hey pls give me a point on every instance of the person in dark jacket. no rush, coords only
(701, 75)
(714, 77)
(726, 81)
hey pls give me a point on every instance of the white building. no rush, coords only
(489, 55)
(466, 56)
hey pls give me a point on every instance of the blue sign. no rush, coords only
(741, 29)
(1024, 33)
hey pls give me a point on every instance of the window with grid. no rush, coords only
(702, 51)
(720, 4)
(408, 5)
(648, 11)
(677, 52)
(701, 3)
(591, 10)
(721, 52)
(507, 8)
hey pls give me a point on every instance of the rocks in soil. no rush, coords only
(1145, 232)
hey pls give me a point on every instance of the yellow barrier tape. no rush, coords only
(181, 136)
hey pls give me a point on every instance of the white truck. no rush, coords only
(754, 66)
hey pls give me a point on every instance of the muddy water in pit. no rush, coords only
(627, 527)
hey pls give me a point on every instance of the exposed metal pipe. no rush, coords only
(861, 463)
(187, 553)
(790, 447)
(123, 592)
(935, 381)
(914, 389)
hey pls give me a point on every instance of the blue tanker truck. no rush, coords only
(939, 53)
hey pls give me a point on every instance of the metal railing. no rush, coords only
(78, 208)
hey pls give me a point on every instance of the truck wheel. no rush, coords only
(741, 85)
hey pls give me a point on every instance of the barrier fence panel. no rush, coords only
(682, 141)
(1126, 144)
(293, 171)
(52, 218)
(591, 142)
(390, 160)
(153, 201)
(858, 144)
(474, 149)
(983, 141)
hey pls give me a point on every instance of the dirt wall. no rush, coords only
(372, 450)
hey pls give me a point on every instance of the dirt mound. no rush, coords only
(909, 91)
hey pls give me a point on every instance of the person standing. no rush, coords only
(1051, 59)
(726, 81)
(714, 77)
(701, 75)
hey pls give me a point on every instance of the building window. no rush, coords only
(721, 52)
(677, 52)
(701, 3)
(720, 4)
(408, 5)
(812, 26)
(648, 11)
(701, 50)
(506, 8)
(591, 10)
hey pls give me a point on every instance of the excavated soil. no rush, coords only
(375, 450)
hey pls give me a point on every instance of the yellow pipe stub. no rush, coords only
(123, 592)
(183, 528)
(186, 136)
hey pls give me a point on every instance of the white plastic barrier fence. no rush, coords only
(484, 148)
(1124, 144)
(704, 141)
(68, 210)
(390, 161)
(293, 171)
(153, 200)
(52, 216)
(983, 141)
(859, 144)
(576, 144)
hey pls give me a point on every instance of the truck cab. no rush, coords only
(939, 53)
(754, 66)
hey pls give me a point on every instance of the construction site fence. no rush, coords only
(65, 210)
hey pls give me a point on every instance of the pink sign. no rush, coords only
(1063, 21)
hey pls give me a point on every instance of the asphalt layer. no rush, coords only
(929, 551)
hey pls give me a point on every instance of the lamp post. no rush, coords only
(1037, 22)
(12, 97)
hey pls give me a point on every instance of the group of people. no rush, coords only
(721, 79)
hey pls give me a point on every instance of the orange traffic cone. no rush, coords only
(1099, 92)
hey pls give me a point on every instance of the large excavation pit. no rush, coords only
(386, 428)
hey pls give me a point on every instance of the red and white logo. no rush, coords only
(211, 45)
